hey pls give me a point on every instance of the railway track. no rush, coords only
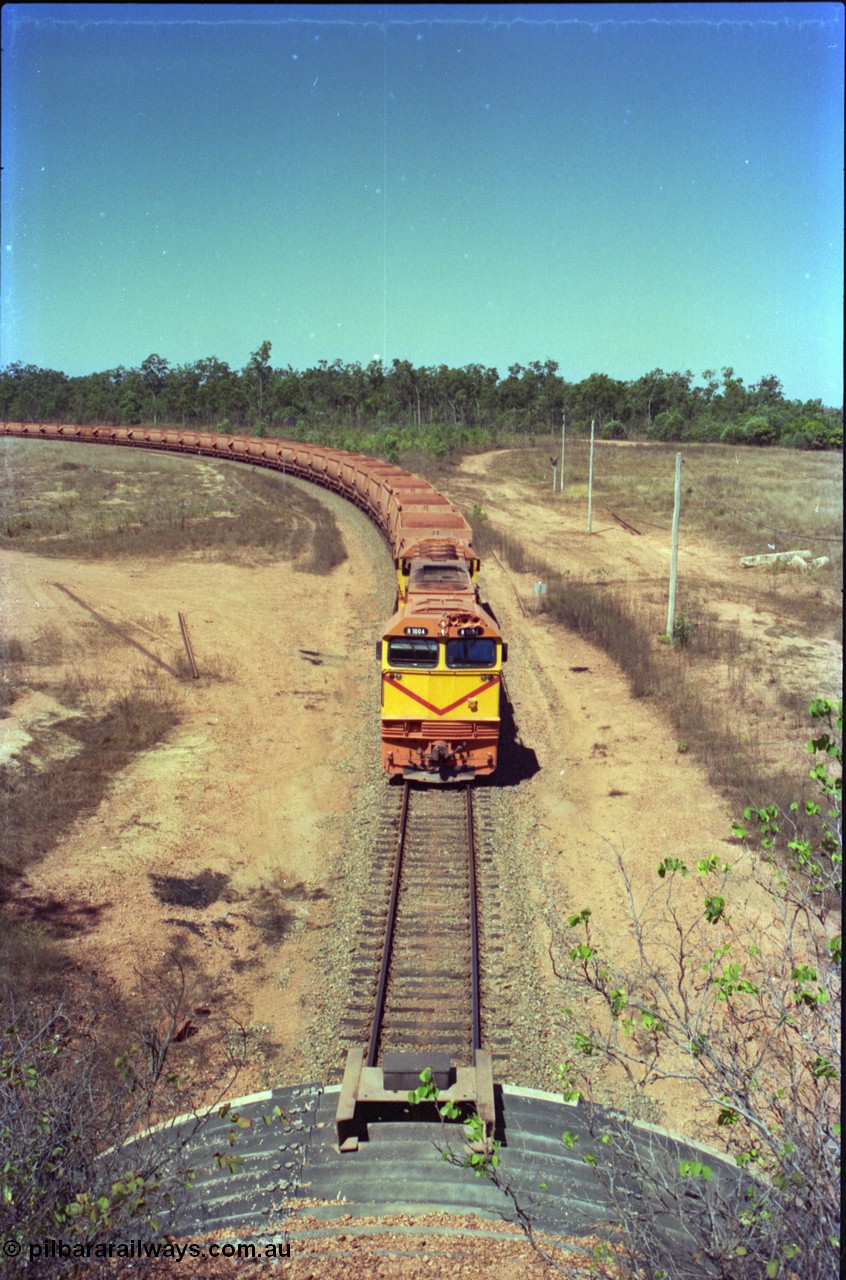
(418, 975)
(428, 991)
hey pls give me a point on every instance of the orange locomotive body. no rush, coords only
(441, 658)
(441, 653)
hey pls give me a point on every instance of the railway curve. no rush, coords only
(441, 652)
(413, 1011)
(406, 508)
(392, 498)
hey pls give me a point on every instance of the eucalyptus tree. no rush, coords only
(258, 367)
(213, 386)
(600, 396)
(154, 371)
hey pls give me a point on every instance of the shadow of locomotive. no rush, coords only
(516, 762)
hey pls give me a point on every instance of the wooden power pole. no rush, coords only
(674, 553)
(590, 478)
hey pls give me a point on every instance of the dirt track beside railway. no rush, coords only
(614, 779)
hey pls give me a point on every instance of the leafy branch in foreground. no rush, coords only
(481, 1154)
(732, 993)
(73, 1164)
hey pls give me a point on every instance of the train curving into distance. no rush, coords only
(441, 653)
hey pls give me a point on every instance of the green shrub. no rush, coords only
(813, 433)
(759, 431)
(797, 440)
(613, 430)
(666, 426)
(701, 431)
(682, 629)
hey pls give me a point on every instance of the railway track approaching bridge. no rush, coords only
(418, 991)
(428, 994)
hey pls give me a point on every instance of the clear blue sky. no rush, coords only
(615, 187)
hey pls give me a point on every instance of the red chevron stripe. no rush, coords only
(440, 711)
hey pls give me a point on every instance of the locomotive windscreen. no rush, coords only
(471, 653)
(405, 652)
(439, 575)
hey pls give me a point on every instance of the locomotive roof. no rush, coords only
(434, 575)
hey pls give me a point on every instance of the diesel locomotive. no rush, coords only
(441, 658)
(441, 653)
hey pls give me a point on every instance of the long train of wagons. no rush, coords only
(441, 652)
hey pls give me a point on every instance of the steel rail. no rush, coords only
(474, 925)
(382, 987)
(390, 929)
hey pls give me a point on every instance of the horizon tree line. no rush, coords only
(338, 403)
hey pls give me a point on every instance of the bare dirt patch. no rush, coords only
(215, 838)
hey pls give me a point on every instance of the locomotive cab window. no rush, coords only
(472, 652)
(403, 651)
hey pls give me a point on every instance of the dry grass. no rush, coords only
(63, 772)
(744, 499)
(702, 685)
(11, 650)
(107, 502)
(731, 691)
(12, 656)
(218, 668)
(32, 963)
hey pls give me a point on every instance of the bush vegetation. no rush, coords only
(745, 1012)
(79, 1078)
(378, 408)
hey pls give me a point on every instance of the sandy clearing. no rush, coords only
(248, 787)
